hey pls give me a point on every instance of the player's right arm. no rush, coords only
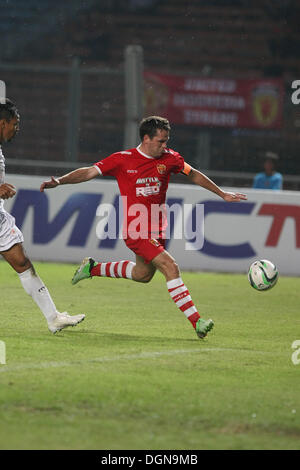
(77, 176)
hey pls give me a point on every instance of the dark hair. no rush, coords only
(8, 110)
(271, 156)
(149, 126)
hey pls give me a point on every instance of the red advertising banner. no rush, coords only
(215, 102)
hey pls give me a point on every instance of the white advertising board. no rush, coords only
(62, 225)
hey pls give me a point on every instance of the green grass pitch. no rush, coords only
(134, 375)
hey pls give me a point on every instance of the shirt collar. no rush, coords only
(144, 154)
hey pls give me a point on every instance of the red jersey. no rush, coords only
(144, 181)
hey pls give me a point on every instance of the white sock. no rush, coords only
(34, 286)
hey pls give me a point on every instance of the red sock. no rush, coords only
(181, 296)
(114, 269)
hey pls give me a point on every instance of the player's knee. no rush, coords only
(170, 268)
(175, 269)
(23, 264)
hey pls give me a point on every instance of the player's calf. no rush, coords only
(143, 274)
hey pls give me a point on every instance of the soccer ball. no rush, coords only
(262, 275)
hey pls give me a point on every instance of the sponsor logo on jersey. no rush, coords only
(148, 190)
(161, 168)
(132, 171)
(151, 179)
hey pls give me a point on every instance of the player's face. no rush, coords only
(8, 129)
(269, 167)
(157, 144)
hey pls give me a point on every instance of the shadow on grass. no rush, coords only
(121, 337)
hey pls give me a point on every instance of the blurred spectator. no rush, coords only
(269, 178)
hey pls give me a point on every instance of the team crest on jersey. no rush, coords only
(161, 168)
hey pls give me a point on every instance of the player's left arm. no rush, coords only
(7, 190)
(196, 177)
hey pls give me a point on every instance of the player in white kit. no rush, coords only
(11, 238)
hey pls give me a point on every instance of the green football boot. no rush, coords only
(84, 270)
(203, 327)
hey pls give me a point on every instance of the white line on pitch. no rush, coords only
(121, 357)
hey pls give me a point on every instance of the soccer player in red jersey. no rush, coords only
(143, 175)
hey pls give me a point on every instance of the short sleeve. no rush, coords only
(177, 163)
(109, 165)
